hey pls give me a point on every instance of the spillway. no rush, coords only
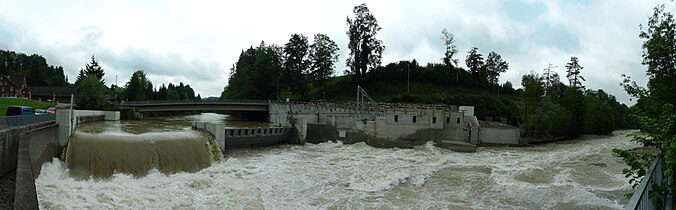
(101, 154)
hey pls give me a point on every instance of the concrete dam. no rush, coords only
(110, 147)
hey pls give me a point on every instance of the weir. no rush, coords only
(102, 154)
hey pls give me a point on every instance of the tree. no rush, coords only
(296, 65)
(323, 56)
(257, 74)
(451, 51)
(139, 88)
(475, 64)
(494, 66)
(550, 77)
(655, 109)
(533, 91)
(92, 68)
(365, 49)
(91, 94)
(33, 67)
(573, 69)
(659, 54)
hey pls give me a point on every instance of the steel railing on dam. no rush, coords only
(641, 200)
(20, 120)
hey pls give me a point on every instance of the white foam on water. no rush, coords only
(334, 175)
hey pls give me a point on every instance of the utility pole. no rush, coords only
(408, 78)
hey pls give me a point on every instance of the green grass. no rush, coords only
(5, 102)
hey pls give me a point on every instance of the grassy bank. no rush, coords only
(5, 102)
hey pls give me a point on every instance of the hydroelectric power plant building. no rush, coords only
(394, 125)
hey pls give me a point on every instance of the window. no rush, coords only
(434, 120)
(414, 118)
(458, 121)
(448, 120)
(396, 118)
(11, 89)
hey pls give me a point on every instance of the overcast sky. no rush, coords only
(196, 42)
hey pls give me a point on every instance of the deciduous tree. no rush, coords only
(139, 88)
(365, 49)
(494, 66)
(323, 56)
(297, 63)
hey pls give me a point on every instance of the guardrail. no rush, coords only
(641, 198)
(19, 120)
(243, 101)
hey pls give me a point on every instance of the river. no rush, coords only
(575, 174)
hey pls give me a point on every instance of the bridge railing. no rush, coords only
(20, 120)
(243, 101)
(641, 198)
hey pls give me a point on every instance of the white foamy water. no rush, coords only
(579, 174)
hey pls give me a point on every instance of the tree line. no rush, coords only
(33, 67)
(265, 71)
(93, 94)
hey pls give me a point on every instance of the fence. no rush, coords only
(641, 198)
(19, 120)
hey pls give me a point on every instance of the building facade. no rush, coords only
(14, 86)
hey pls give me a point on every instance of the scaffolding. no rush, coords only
(361, 111)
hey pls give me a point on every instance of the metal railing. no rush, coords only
(641, 198)
(20, 120)
(242, 101)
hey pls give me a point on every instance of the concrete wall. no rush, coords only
(44, 145)
(63, 119)
(245, 137)
(393, 124)
(406, 124)
(499, 136)
(9, 145)
(36, 147)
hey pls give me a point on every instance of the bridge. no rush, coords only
(197, 105)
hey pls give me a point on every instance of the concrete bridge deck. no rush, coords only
(199, 105)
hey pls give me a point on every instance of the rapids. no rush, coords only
(575, 174)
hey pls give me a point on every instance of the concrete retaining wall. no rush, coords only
(36, 147)
(9, 145)
(499, 136)
(63, 119)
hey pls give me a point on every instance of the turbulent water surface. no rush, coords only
(568, 175)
